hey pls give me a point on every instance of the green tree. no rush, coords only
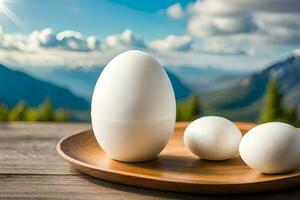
(17, 113)
(189, 109)
(194, 106)
(3, 112)
(32, 114)
(45, 111)
(61, 115)
(272, 109)
(180, 111)
(291, 116)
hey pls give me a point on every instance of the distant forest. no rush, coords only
(22, 112)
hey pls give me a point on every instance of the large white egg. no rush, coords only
(213, 138)
(271, 148)
(133, 107)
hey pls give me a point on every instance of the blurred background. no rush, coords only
(232, 58)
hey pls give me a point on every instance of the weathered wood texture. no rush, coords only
(30, 168)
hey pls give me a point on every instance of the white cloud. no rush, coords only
(72, 40)
(55, 58)
(200, 26)
(13, 41)
(58, 58)
(93, 42)
(202, 59)
(66, 48)
(219, 17)
(175, 11)
(47, 38)
(124, 40)
(172, 42)
(263, 22)
(215, 46)
(46, 48)
(1, 34)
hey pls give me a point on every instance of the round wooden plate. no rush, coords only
(175, 169)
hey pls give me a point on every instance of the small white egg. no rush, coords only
(213, 138)
(271, 148)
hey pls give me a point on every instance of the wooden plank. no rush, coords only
(63, 187)
(30, 148)
(27, 130)
(85, 187)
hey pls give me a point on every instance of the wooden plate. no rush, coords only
(176, 169)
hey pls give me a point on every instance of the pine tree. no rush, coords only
(46, 111)
(180, 111)
(291, 116)
(61, 115)
(272, 109)
(32, 114)
(3, 112)
(194, 107)
(17, 113)
(189, 109)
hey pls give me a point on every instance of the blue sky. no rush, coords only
(96, 17)
(230, 34)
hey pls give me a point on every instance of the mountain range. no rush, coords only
(66, 87)
(185, 80)
(16, 86)
(205, 78)
(244, 99)
(236, 95)
(81, 80)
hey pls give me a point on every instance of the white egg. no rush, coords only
(271, 148)
(133, 107)
(213, 138)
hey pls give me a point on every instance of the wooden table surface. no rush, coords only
(30, 168)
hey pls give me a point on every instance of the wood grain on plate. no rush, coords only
(176, 169)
